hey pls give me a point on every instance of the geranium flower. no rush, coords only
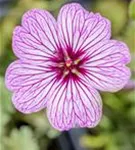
(63, 64)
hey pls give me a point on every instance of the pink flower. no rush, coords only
(63, 64)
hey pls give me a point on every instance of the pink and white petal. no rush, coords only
(100, 31)
(33, 98)
(67, 108)
(31, 85)
(105, 68)
(20, 74)
(37, 38)
(79, 29)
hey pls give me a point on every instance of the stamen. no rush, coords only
(66, 73)
(76, 61)
(75, 71)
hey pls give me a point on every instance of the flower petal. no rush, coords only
(106, 68)
(21, 74)
(31, 85)
(80, 29)
(67, 108)
(37, 38)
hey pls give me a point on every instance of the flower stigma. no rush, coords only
(68, 62)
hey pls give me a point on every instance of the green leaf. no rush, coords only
(105, 123)
(6, 108)
(112, 146)
(132, 10)
(95, 141)
(3, 121)
(22, 139)
(5, 98)
(131, 112)
(129, 36)
(113, 101)
(41, 124)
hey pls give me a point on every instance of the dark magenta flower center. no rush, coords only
(67, 64)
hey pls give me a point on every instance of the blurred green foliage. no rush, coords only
(132, 9)
(22, 139)
(33, 132)
(114, 10)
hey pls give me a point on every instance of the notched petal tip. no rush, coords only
(29, 13)
(81, 29)
(16, 30)
(15, 40)
(32, 13)
(72, 4)
(106, 70)
(69, 109)
(27, 103)
(8, 76)
(22, 108)
(125, 51)
(36, 38)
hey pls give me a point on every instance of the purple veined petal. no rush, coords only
(67, 108)
(80, 29)
(31, 86)
(20, 74)
(36, 39)
(106, 70)
(100, 30)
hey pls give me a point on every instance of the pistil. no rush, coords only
(68, 62)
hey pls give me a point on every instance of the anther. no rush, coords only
(76, 61)
(74, 71)
(66, 73)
